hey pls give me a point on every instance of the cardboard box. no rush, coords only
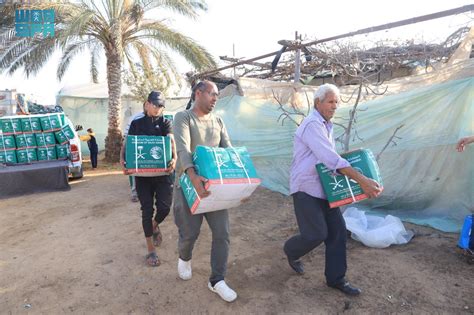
(62, 151)
(64, 135)
(30, 124)
(231, 178)
(8, 157)
(169, 117)
(26, 155)
(10, 125)
(341, 190)
(147, 154)
(45, 139)
(25, 140)
(46, 153)
(52, 122)
(7, 142)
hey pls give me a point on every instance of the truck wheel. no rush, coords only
(78, 174)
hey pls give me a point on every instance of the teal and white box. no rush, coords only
(8, 157)
(231, 177)
(341, 190)
(45, 139)
(147, 155)
(64, 135)
(52, 122)
(30, 124)
(7, 142)
(10, 125)
(25, 140)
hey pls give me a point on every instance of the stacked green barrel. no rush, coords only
(33, 138)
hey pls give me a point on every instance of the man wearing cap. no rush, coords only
(193, 127)
(154, 189)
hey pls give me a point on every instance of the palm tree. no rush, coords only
(118, 28)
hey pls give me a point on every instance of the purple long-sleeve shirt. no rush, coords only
(313, 144)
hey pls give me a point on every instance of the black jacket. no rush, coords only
(150, 126)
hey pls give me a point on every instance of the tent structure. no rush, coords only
(425, 180)
(86, 105)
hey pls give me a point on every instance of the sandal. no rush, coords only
(152, 260)
(157, 237)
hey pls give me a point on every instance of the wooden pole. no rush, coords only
(297, 59)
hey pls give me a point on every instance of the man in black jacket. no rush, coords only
(154, 189)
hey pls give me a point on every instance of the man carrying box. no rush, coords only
(317, 222)
(193, 127)
(154, 188)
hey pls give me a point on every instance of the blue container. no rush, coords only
(466, 237)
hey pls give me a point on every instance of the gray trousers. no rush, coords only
(189, 226)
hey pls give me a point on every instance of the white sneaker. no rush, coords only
(223, 290)
(184, 269)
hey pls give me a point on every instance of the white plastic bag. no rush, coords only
(375, 231)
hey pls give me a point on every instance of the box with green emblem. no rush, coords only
(169, 117)
(26, 155)
(52, 122)
(46, 153)
(45, 139)
(8, 157)
(10, 125)
(25, 140)
(341, 190)
(64, 135)
(147, 154)
(231, 178)
(30, 124)
(62, 151)
(7, 142)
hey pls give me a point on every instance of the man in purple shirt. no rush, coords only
(314, 143)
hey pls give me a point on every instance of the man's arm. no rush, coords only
(225, 140)
(182, 137)
(122, 153)
(370, 187)
(461, 145)
(85, 137)
(314, 136)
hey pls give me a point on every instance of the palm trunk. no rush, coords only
(113, 140)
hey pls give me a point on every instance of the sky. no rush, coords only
(250, 28)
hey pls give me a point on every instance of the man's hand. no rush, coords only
(124, 169)
(461, 145)
(198, 183)
(171, 166)
(370, 187)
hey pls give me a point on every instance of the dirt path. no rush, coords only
(83, 251)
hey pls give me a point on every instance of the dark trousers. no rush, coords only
(158, 189)
(94, 158)
(318, 223)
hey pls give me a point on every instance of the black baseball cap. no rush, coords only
(156, 98)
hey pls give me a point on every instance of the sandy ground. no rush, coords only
(82, 251)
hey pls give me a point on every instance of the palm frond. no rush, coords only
(185, 8)
(69, 53)
(185, 46)
(94, 60)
